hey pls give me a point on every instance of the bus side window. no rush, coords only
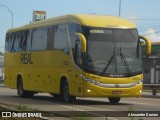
(16, 43)
(12, 42)
(78, 53)
(74, 28)
(60, 38)
(7, 41)
(23, 40)
(39, 39)
(29, 40)
(50, 37)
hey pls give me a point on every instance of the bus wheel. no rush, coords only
(114, 100)
(66, 97)
(21, 92)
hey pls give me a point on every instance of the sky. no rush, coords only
(144, 13)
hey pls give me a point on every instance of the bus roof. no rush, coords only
(84, 19)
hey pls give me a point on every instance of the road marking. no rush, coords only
(95, 108)
(111, 118)
(71, 107)
(140, 103)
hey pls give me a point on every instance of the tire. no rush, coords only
(114, 100)
(21, 92)
(65, 93)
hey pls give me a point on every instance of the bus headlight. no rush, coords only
(140, 91)
(138, 82)
(88, 90)
(90, 81)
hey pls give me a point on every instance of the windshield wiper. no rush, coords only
(106, 67)
(125, 62)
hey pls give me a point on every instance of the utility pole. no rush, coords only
(119, 8)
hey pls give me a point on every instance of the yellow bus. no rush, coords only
(75, 56)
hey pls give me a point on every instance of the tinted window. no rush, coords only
(23, 37)
(74, 28)
(29, 41)
(60, 38)
(11, 42)
(15, 42)
(7, 41)
(39, 40)
(50, 38)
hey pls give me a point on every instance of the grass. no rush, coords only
(21, 107)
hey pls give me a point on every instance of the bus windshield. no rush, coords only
(112, 52)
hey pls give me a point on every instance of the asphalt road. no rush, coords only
(93, 106)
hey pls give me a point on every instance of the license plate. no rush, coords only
(116, 92)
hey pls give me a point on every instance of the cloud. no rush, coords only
(151, 34)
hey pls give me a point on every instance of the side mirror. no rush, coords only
(83, 41)
(148, 44)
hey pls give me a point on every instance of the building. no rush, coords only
(151, 67)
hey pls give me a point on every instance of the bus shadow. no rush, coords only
(96, 102)
(78, 101)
